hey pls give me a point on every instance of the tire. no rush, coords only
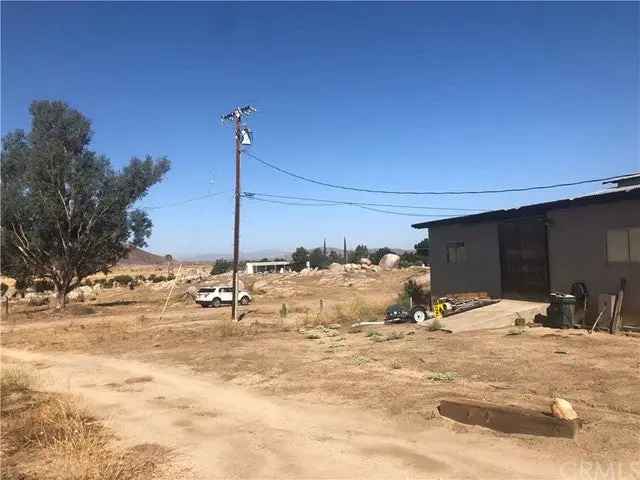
(418, 314)
(216, 303)
(244, 301)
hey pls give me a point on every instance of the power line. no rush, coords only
(432, 192)
(182, 202)
(300, 204)
(347, 202)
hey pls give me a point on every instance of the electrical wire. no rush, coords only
(182, 202)
(346, 202)
(428, 192)
(299, 204)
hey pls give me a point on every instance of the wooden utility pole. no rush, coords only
(345, 250)
(236, 226)
(242, 137)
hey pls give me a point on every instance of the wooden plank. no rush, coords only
(508, 419)
(617, 310)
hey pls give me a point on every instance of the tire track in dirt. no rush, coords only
(222, 431)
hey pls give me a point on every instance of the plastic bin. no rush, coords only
(561, 310)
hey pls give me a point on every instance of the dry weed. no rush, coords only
(63, 441)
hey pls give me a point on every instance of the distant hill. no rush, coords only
(138, 256)
(272, 253)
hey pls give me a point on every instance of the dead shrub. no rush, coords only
(63, 441)
(16, 379)
(357, 310)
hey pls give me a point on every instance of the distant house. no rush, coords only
(528, 252)
(267, 267)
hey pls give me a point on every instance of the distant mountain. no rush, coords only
(254, 255)
(138, 256)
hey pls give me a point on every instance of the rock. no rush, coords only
(562, 409)
(10, 293)
(191, 292)
(390, 261)
(36, 300)
(260, 286)
(365, 261)
(336, 267)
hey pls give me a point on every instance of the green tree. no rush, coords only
(408, 259)
(334, 257)
(361, 251)
(221, 266)
(66, 213)
(422, 248)
(317, 259)
(299, 258)
(378, 254)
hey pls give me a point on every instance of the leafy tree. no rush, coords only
(66, 213)
(408, 259)
(299, 258)
(422, 248)
(334, 257)
(317, 259)
(361, 251)
(221, 266)
(378, 254)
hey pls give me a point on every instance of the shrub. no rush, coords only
(159, 278)
(89, 283)
(220, 266)
(3, 288)
(43, 286)
(15, 379)
(123, 279)
(171, 276)
(443, 376)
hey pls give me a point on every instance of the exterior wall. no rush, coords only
(481, 270)
(578, 252)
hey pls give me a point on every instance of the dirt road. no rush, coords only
(221, 431)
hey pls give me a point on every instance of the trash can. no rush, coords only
(560, 312)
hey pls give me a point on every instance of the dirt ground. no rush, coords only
(288, 397)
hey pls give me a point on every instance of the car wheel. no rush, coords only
(216, 303)
(244, 301)
(418, 314)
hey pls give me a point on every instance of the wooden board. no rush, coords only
(508, 419)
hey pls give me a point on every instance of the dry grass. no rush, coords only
(359, 310)
(51, 437)
(16, 379)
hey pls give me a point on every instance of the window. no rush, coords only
(623, 245)
(456, 252)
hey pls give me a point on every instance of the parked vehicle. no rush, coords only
(217, 296)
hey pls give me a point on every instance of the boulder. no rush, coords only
(390, 261)
(260, 286)
(365, 261)
(36, 299)
(10, 293)
(336, 267)
(562, 409)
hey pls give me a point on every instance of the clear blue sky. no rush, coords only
(403, 96)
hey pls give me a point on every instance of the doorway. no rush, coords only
(524, 260)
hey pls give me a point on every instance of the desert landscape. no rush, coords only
(294, 390)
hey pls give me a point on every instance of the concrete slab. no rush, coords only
(499, 315)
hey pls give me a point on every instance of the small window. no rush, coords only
(456, 252)
(623, 245)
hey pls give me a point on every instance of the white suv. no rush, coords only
(216, 296)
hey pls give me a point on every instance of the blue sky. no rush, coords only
(401, 96)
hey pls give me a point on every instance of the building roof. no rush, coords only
(268, 264)
(627, 187)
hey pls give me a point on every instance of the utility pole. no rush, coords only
(324, 247)
(345, 250)
(242, 137)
